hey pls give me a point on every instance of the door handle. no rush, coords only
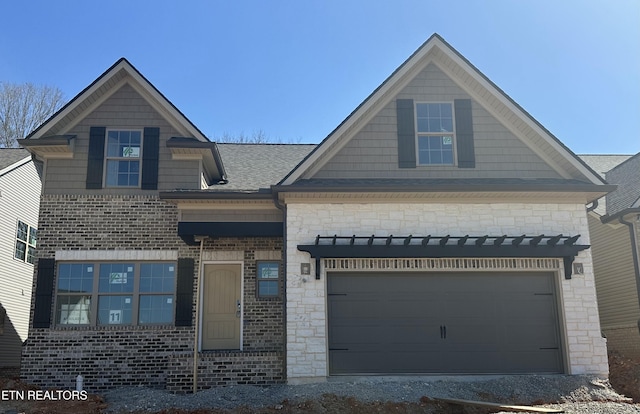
(443, 332)
(238, 308)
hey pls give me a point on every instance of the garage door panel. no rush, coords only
(393, 323)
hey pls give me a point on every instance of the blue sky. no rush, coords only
(296, 69)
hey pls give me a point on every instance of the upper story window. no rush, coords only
(434, 122)
(123, 158)
(26, 237)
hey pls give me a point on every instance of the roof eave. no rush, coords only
(215, 195)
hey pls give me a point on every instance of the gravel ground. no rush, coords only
(574, 394)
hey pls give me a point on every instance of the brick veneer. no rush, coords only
(158, 356)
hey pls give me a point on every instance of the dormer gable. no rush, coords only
(120, 134)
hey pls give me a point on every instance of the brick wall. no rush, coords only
(585, 349)
(113, 356)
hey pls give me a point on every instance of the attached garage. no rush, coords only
(423, 322)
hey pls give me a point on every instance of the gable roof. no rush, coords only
(437, 51)
(121, 72)
(251, 167)
(11, 158)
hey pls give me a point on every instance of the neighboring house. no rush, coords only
(438, 229)
(19, 202)
(615, 230)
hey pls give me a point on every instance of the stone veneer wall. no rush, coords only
(585, 349)
(158, 356)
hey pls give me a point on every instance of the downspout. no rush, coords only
(197, 322)
(283, 207)
(594, 205)
(634, 253)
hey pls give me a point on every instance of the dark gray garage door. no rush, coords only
(382, 323)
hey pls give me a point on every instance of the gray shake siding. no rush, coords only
(124, 109)
(373, 151)
(159, 356)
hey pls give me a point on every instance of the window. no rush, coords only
(435, 133)
(115, 293)
(123, 158)
(26, 237)
(268, 279)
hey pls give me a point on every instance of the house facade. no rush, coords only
(438, 229)
(19, 201)
(615, 228)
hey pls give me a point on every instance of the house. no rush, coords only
(614, 225)
(438, 229)
(19, 201)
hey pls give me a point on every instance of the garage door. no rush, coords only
(382, 323)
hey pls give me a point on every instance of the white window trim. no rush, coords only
(435, 134)
(107, 157)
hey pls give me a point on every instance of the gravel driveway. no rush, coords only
(574, 394)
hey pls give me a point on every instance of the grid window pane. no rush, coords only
(268, 288)
(268, 274)
(75, 278)
(114, 310)
(73, 310)
(116, 277)
(21, 250)
(23, 230)
(33, 236)
(435, 150)
(434, 117)
(157, 277)
(124, 151)
(155, 309)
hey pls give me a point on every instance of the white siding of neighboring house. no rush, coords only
(19, 200)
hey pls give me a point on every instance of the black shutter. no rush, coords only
(96, 157)
(184, 292)
(406, 134)
(44, 293)
(464, 134)
(150, 150)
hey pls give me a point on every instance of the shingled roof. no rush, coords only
(602, 164)
(626, 176)
(250, 167)
(9, 156)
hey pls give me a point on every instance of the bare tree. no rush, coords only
(257, 137)
(23, 107)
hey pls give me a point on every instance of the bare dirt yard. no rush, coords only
(624, 378)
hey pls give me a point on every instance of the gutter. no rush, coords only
(634, 253)
(434, 188)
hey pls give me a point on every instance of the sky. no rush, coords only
(294, 70)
